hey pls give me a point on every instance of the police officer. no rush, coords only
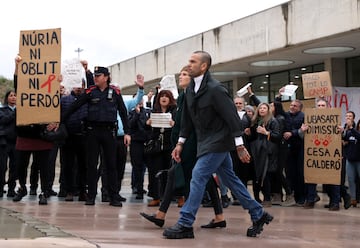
(104, 100)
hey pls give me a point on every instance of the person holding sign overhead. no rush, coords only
(104, 101)
(29, 142)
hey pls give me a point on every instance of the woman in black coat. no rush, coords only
(7, 143)
(264, 142)
(159, 161)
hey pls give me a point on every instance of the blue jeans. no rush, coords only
(205, 166)
(353, 173)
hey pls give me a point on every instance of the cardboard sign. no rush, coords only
(38, 90)
(316, 84)
(322, 146)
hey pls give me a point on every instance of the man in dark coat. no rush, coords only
(210, 111)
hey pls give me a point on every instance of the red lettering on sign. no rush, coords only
(48, 82)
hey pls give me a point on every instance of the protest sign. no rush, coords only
(38, 90)
(316, 84)
(160, 120)
(168, 82)
(73, 73)
(289, 90)
(243, 90)
(322, 146)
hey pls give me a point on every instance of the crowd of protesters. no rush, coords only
(98, 143)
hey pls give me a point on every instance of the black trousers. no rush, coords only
(40, 158)
(52, 165)
(156, 163)
(7, 160)
(74, 164)
(101, 138)
(295, 173)
(121, 154)
(3, 166)
(34, 175)
(278, 181)
(35, 169)
(138, 164)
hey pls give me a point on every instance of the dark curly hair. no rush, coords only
(169, 94)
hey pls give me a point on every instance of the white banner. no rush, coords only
(347, 99)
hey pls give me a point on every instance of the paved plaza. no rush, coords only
(72, 224)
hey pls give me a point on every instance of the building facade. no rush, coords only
(271, 48)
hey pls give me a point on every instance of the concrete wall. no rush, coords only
(295, 22)
(310, 20)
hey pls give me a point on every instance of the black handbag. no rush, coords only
(55, 136)
(153, 146)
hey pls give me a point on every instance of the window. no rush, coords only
(353, 72)
(266, 87)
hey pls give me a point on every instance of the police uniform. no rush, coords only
(101, 128)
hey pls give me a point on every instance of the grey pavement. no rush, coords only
(25, 224)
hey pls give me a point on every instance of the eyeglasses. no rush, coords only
(321, 105)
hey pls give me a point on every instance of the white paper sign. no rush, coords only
(160, 120)
(168, 82)
(243, 90)
(289, 90)
(72, 72)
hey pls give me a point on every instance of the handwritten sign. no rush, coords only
(73, 73)
(38, 91)
(160, 120)
(316, 84)
(289, 90)
(322, 149)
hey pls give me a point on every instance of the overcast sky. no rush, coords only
(110, 31)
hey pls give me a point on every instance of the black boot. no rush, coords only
(178, 232)
(20, 194)
(257, 226)
(347, 201)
